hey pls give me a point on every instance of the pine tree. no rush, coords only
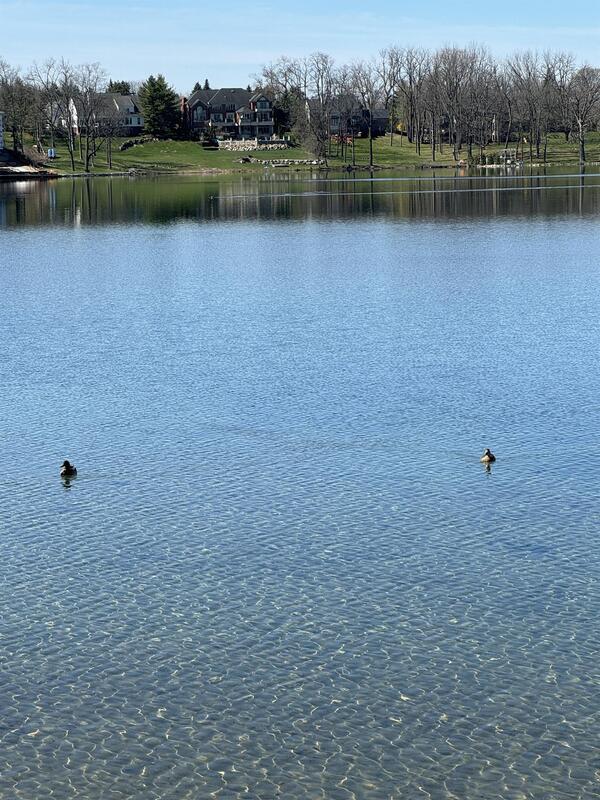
(206, 84)
(160, 106)
(197, 87)
(119, 87)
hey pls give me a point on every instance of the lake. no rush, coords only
(282, 570)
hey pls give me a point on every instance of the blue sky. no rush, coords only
(228, 41)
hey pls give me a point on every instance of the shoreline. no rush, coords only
(9, 174)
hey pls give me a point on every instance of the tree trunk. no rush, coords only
(370, 140)
(508, 130)
(71, 145)
(581, 142)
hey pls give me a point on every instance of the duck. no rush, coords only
(487, 456)
(67, 470)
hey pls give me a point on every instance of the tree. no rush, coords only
(452, 73)
(561, 68)
(585, 102)
(530, 83)
(90, 101)
(315, 74)
(346, 107)
(44, 79)
(160, 106)
(367, 83)
(16, 100)
(285, 81)
(206, 86)
(197, 87)
(389, 67)
(119, 87)
(58, 81)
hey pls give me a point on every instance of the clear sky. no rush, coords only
(227, 41)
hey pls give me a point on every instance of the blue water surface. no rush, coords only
(282, 570)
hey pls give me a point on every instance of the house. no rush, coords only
(118, 113)
(125, 110)
(229, 113)
(348, 117)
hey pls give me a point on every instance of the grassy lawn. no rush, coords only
(403, 154)
(170, 156)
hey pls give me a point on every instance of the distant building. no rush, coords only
(348, 117)
(229, 113)
(125, 110)
(1, 130)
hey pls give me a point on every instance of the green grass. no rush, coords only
(403, 154)
(174, 156)
(170, 156)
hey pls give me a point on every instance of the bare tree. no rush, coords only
(367, 83)
(452, 65)
(320, 103)
(286, 81)
(480, 99)
(44, 78)
(584, 93)
(90, 83)
(62, 84)
(413, 70)
(16, 100)
(561, 68)
(530, 80)
(389, 68)
(345, 107)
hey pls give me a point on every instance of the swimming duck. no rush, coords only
(487, 456)
(67, 470)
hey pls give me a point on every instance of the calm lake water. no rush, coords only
(282, 570)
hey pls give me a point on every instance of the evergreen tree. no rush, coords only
(206, 84)
(160, 106)
(119, 87)
(197, 87)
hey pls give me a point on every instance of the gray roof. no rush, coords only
(231, 97)
(380, 113)
(124, 101)
(200, 96)
(215, 98)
